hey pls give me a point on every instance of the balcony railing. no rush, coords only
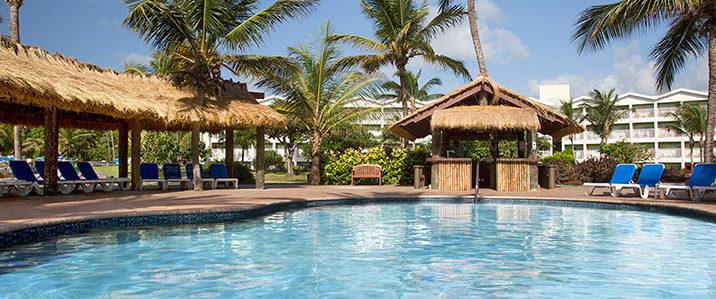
(666, 109)
(619, 134)
(579, 155)
(669, 153)
(665, 132)
(644, 133)
(643, 113)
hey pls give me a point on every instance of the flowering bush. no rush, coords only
(397, 166)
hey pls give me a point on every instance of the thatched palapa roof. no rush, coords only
(485, 118)
(418, 124)
(87, 96)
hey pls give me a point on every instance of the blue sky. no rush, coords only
(526, 43)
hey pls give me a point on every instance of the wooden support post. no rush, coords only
(260, 154)
(123, 151)
(494, 147)
(229, 148)
(444, 143)
(51, 150)
(435, 148)
(136, 150)
(521, 145)
(532, 143)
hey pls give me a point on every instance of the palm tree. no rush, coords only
(601, 110)
(195, 31)
(136, 68)
(404, 31)
(15, 36)
(290, 137)
(413, 91)
(575, 113)
(472, 19)
(320, 95)
(72, 139)
(690, 121)
(692, 31)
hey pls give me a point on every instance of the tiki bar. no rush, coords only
(484, 110)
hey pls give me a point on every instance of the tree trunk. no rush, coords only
(260, 158)
(136, 154)
(195, 131)
(229, 152)
(711, 107)
(15, 36)
(51, 145)
(288, 153)
(315, 172)
(109, 149)
(472, 16)
(403, 100)
(691, 148)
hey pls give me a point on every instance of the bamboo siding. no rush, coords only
(513, 174)
(454, 174)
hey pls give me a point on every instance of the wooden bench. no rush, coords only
(367, 171)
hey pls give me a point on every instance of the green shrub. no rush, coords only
(241, 172)
(397, 167)
(564, 156)
(626, 152)
(272, 158)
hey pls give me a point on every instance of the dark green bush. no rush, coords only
(397, 167)
(626, 152)
(564, 156)
(596, 170)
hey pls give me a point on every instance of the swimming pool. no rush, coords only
(411, 250)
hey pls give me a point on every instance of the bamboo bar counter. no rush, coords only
(451, 174)
(518, 174)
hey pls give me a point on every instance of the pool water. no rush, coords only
(424, 250)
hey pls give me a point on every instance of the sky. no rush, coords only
(526, 43)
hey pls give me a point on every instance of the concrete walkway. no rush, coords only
(18, 213)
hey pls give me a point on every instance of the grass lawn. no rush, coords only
(112, 170)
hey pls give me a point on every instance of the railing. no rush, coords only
(665, 132)
(644, 133)
(578, 155)
(592, 136)
(624, 116)
(592, 153)
(669, 153)
(619, 134)
(666, 109)
(643, 112)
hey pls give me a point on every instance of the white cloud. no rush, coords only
(499, 44)
(630, 73)
(695, 75)
(133, 58)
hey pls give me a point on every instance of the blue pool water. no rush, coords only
(425, 250)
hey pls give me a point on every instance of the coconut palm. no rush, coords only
(321, 95)
(15, 36)
(136, 68)
(474, 33)
(691, 122)
(575, 113)
(691, 33)
(404, 31)
(413, 91)
(601, 110)
(70, 140)
(196, 31)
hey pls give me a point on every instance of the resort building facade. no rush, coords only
(645, 122)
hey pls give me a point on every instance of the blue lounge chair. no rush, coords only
(172, 174)
(106, 184)
(623, 174)
(220, 175)
(64, 186)
(149, 173)
(190, 175)
(69, 174)
(702, 180)
(23, 173)
(649, 177)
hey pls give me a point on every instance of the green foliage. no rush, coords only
(162, 147)
(6, 140)
(397, 167)
(273, 159)
(564, 156)
(414, 93)
(626, 152)
(340, 141)
(601, 110)
(243, 173)
(596, 170)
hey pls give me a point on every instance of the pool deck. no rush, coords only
(19, 213)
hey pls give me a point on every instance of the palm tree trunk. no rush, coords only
(195, 131)
(472, 16)
(15, 36)
(711, 107)
(403, 100)
(691, 148)
(288, 153)
(109, 149)
(315, 172)
(571, 140)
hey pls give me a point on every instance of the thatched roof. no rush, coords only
(32, 79)
(485, 118)
(551, 122)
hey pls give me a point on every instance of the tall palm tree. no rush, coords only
(691, 122)
(575, 113)
(474, 33)
(404, 31)
(15, 36)
(601, 110)
(321, 95)
(413, 91)
(692, 31)
(196, 31)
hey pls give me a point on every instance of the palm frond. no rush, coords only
(683, 39)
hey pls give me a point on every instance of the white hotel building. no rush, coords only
(645, 123)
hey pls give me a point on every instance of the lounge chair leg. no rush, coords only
(644, 193)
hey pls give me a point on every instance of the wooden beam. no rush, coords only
(229, 154)
(435, 148)
(51, 150)
(260, 154)
(136, 150)
(531, 143)
(123, 151)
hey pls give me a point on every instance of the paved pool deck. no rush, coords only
(25, 212)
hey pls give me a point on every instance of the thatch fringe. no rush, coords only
(485, 118)
(34, 77)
